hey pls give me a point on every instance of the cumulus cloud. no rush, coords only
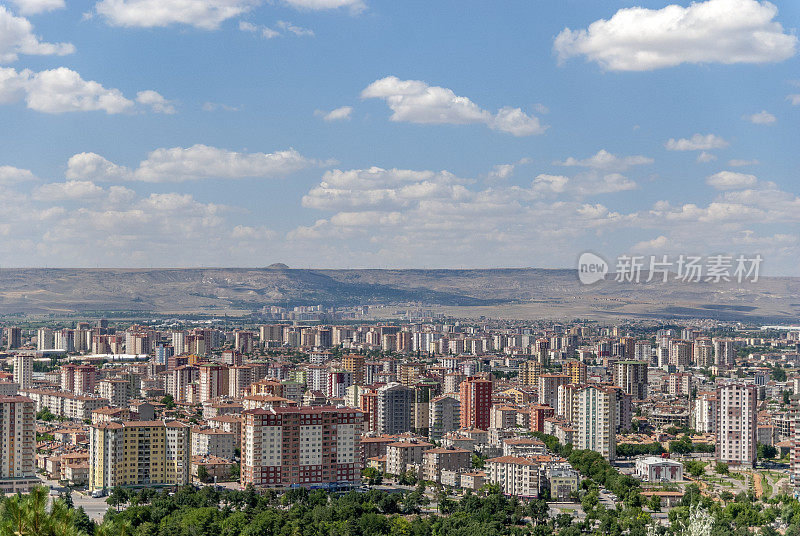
(60, 90)
(14, 175)
(32, 7)
(607, 161)
(338, 114)
(191, 163)
(761, 118)
(156, 102)
(203, 14)
(730, 180)
(17, 37)
(57, 191)
(715, 31)
(698, 142)
(414, 101)
(504, 171)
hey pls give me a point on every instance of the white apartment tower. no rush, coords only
(596, 416)
(23, 370)
(17, 444)
(737, 424)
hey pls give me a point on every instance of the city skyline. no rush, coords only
(365, 134)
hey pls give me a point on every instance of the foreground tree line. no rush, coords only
(210, 512)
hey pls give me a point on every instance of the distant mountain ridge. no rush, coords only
(555, 292)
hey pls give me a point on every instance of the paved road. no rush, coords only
(95, 508)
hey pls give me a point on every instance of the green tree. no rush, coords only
(722, 468)
(202, 473)
(168, 402)
(654, 503)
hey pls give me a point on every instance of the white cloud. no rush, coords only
(32, 7)
(607, 161)
(761, 118)
(155, 101)
(339, 114)
(318, 5)
(264, 31)
(92, 166)
(656, 245)
(376, 187)
(698, 142)
(738, 162)
(293, 29)
(550, 184)
(414, 101)
(504, 171)
(191, 163)
(245, 232)
(203, 14)
(730, 180)
(715, 31)
(706, 157)
(58, 191)
(59, 91)
(281, 28)
(17, 37)
(13, 175)
(62, 90)
(794, 99)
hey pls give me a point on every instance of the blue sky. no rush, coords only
(362, 133)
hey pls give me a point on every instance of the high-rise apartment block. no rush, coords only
(395, 408)
(17, 444)
(139, 453)
(301, 446)
(737, 424)
(476, 403)
(632, 377)
(23, 370)
(596, 415)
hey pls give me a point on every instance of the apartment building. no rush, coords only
(395, 408)
(65, 404)
(596, 415)
(139, 453)
(213, 442)
(23, 370)
(631, 376)
(115, 390)
(737, 424)
(476, 402)
(436, 460)
(17, 444)
(515, 475)
(404, 452)
(301, 446)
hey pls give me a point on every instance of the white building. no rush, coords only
(654, 469)
(23, 370)
(17, 444)
(737, 424)
(596, 416)
(515, 475)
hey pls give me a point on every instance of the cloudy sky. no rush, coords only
(378, 133)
